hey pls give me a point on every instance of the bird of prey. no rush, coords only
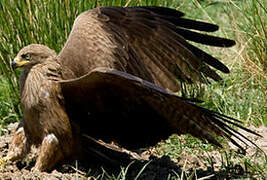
(114, 81)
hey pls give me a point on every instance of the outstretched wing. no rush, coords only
(116, 106)
(148, 42)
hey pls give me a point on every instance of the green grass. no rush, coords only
(242, 94)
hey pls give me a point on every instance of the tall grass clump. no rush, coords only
(242, 93)
(251, 25)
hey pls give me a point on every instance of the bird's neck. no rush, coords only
(30, 84)
(33, 80)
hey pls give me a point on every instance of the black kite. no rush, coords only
(114, 81)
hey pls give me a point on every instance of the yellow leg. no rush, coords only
(3, 162)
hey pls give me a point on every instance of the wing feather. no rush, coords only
(181, 115)
(149, 42)
(136, 24)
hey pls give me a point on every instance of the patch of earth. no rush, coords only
(154, 168)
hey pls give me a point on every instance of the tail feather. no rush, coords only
(104, 152)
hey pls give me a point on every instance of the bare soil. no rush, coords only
(154, 168)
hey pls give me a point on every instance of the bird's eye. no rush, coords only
(26, 56)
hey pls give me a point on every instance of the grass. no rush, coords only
(242, 94)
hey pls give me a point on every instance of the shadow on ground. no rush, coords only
(156, 168)
(162, 168)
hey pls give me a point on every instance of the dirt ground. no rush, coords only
(155, 168)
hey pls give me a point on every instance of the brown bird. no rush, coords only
(114, 81)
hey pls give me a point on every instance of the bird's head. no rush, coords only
(31, 55)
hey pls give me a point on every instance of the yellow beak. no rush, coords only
(17, 62)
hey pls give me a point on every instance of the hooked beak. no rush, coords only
(17, 62)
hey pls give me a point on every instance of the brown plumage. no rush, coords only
(112, 82)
